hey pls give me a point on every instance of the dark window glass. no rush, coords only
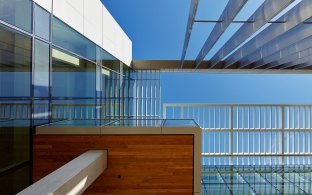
(69, 39)
(17, 13)
(15, 64)
(16, 181)
(41, 74)
(15, 135)
(72, 77)
(110, 61)
(126, 70)
(42, 23)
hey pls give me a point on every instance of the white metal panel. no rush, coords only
(128, 51)
(70, 13)
(115, 41)
(76, 4)
(46, 4)
(93, 25)
(93, 20)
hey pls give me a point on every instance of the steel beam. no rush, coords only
(189, 27)
(304, 62)
(277, 48)
(228, 15)
(294, 17)
(299, 58)
(278, 59)
(292, 59)
(261, 16)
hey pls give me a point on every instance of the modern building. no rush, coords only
(68, 84)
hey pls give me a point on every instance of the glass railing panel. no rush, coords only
(180, 123)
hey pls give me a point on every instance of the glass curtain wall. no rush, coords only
(50, 72)
(87, 82)
(15, 94)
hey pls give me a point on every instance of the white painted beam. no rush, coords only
(73, 178)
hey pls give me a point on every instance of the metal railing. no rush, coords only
(21, 111)
(255, 134)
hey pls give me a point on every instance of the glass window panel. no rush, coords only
(69, 39)
(106, 77)
(17, 13)
(41, 73)
(73, 109)
(17, 110)
(126, 70)
(41, 113)
(15, 181)
(72, 77)
(42, 23)
(15, 64)
(14, 141)
(110, 61)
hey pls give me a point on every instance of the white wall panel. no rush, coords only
(46, 4)
(115, 41)
(93, 20)
(70, 14)
(76, 4)
(93, 24)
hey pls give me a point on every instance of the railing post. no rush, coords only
(283, 132)
(182, 112)
(231, 134)
(164, 111)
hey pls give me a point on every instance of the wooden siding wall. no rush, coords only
(137, 164)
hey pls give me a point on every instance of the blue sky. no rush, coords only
(157, 29)
(237, 88)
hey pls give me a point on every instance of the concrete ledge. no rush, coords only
(68, 130)
(73, 178)
(130, 130)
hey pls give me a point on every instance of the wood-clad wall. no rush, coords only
(137, 164)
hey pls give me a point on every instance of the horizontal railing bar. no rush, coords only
(239, 21)
(255, 155)
(207, 104)
(209, 172)
(256, 130)
(246, 21)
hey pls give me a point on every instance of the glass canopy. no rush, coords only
(257, 179)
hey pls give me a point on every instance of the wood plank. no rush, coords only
(137, 164)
